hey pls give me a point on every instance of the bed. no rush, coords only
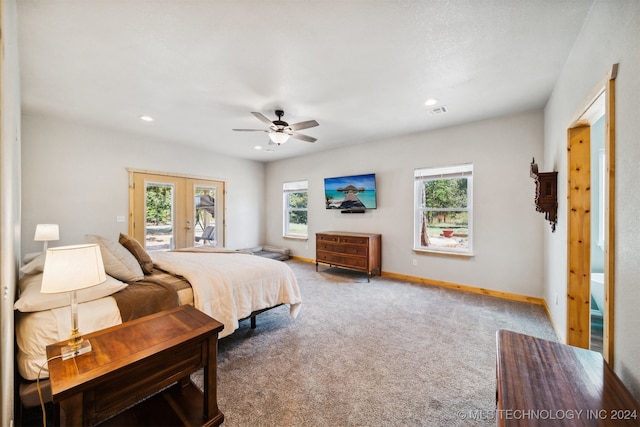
(227, 285)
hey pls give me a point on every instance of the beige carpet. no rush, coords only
(385, 353)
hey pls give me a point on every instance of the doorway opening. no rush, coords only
(591, 220)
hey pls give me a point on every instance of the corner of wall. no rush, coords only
(9, 200)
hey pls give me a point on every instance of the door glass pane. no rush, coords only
(205, 221)
(159, 216)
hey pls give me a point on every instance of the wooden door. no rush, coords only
(600, 102)
(579, 237)
(170, 212)
(206, 208)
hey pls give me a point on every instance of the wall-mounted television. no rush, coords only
(353, 193)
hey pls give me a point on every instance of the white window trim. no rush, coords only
(434, 173)
(293, 187)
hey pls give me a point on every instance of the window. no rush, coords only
(295, 209)
(443, 209)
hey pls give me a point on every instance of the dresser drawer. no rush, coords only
(343, 249)
(337, 259)
(354, 240)
(327, 238)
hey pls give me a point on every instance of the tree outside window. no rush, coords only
(443, 209)
(159, 204)
(295, 209)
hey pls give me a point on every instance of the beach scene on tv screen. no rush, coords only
(351, 192)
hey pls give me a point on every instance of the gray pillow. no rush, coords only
(118, 261)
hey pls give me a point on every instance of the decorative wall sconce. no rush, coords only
(546, 193)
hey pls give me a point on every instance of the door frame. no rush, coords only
(600, 102)
(191, 181)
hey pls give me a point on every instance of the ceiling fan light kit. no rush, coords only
(280, 131)
(278, 137)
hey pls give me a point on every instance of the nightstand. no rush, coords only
(138, 373)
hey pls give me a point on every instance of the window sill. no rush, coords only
(296, 237)
(445, 253)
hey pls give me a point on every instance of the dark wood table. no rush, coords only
(138, 373)
(542, 382)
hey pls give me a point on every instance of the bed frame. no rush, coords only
(253, 315)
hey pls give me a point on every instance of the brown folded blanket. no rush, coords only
(155, 292)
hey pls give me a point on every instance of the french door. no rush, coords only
(172, 212)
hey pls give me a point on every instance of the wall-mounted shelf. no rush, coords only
(546, 193)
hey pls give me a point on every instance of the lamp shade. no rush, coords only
(70, 268)
(46, 232)
(278, 137)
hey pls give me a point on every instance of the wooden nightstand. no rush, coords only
(132, 361)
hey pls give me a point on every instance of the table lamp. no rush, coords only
(45, 233)
(69, 269)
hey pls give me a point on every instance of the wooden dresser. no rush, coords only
(542, 383)
(358, 251)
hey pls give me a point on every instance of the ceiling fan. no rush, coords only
(279, 131)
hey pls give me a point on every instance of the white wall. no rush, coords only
(75, 175)
(508, 230)
(610, 35)
(9, 200)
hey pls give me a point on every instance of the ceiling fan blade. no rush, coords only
(303, 137)
(262, 118)
(303, 125)
(251, 130)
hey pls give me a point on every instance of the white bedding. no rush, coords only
(36, 330)
(226, 286)
(229, 286)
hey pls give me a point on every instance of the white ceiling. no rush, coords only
(361, 68)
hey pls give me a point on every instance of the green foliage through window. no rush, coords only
(158, 202)
(443, 208)
(298, 208)
(296, 212)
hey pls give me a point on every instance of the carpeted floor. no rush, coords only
(385, 353)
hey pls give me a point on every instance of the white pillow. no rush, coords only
(118, 261)
(31, 299)
(35, 265)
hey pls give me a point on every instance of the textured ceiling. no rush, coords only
(362, 69)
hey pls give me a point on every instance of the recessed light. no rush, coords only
(146, 118)
(431, 101)
(257, 147)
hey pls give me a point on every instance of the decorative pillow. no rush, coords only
(31, 256)
(138, 252)
(36, 265)
(118, 261)
(31, 299)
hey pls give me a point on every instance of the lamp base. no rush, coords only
(69, 350)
